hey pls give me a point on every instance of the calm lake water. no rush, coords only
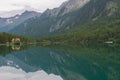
(60, 63)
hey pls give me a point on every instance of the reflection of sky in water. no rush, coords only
(10, 73)
(87, 63)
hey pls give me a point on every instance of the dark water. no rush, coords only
(69, 63)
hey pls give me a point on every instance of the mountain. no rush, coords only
(7, 24)
(44, 24)
(69, 16)
(101, 25)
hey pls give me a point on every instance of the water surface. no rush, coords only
(60, 63)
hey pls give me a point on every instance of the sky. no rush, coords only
(12, 7)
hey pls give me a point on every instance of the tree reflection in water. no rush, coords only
(16, 47)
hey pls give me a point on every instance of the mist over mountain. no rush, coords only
(7, 24)
(8, 14)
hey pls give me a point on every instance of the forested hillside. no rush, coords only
(93, 21)
(4, 38)
(99, 31)
(64, 19)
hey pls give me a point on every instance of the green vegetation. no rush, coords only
(98, 31)
(97, 22)
(7, 38)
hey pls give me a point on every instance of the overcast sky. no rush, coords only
(12, 7)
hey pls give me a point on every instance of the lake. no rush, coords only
(84, 62)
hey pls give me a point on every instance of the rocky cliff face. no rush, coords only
(7, 24)
(72, 5)
(69, 15)
(66, 7)
(51, 20)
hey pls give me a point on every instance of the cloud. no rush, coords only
(6, 14)
(10, 73)
(31, 5)
(41, 5)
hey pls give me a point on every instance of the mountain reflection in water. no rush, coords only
(71, 63)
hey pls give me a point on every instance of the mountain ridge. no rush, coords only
(48, 20)
(7, 24)
(47, 24)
